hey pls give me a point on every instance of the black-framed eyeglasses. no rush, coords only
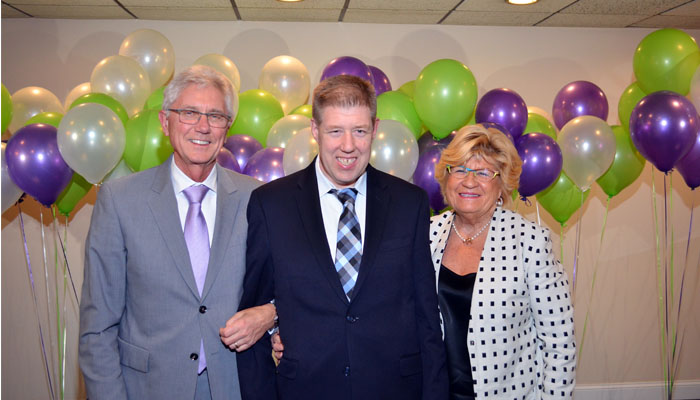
(191, 117)
(481, 175)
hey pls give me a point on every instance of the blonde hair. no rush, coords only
(344, 91)
(488, 144)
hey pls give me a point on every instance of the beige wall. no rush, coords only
(622, 343)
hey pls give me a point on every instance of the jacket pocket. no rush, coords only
(133, 356)
(287, 368)
(411, 365)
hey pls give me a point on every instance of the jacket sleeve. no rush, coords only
(103, 301)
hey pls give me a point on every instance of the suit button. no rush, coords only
(194, 356)
(346, 372)
(351, 319)
(202, 309)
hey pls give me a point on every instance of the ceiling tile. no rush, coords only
(177, 3)
(621, 7)
(549, 6)
(59, 3)
(434, 5)
(9, 12)
(393, 16)
(75, 12)
(316, 4)
(304, 15)
(494, 18)
(184, 13)
(690, 9)
(591, 20)
(664, 21)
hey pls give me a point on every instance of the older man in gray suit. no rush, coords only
(164, 262)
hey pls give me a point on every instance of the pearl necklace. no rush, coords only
(469, 240)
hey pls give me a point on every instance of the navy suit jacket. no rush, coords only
(384, 344)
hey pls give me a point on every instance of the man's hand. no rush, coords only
(277, 347)
(247, 326)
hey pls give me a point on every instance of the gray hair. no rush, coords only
(200, 76)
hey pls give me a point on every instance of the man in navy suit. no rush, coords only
(348, 270)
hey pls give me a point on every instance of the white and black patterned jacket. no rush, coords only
(521, 328)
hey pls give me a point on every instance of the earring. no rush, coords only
(499, 202)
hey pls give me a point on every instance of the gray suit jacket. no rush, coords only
(141, 316)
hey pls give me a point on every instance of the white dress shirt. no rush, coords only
(182, 182)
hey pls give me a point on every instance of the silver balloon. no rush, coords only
(288, 80)
(588, 148)
(285, 128)
(30, 101)
(222, 64)
(300, 151)
(394, 149)
(119, 171)
(91, 140)
(83, 88)
(124, 79)
(10, 192)
(153, 52)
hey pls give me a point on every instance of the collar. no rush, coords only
(325, 184)
(182, 181)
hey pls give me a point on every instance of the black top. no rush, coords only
(455, 296)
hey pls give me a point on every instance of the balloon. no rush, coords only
(347, 66)
(10, 192)
(285, 129)
(227, 160)
(540, 111)
(81, 89)
(30, 101)
(688, 166)
(124, 79)
(399, 107)
(6, 109)
(664, 126)
(445, 96)
(666, 59)
(287, 79)
(304, 109)
(628, 100)
(155, 100)
(77, 188)
(257, 112)
(119, 171)
(222, 64)
(694, 94)
(626, 167)
(538, 123)
(153, 52)
(379, 80)
(35, 164)
(542, 162)
(424, 176)
(48, 118)
(146, 144)
(394, 149)
(562, 198)
(426, 141)
(242, 147)
(577, 99)
(505, 108)
(408, 89)
(300, 151)
(105, 100)
(266, 164)
(588, 146)
(91, 139)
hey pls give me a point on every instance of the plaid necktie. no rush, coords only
(348, 253)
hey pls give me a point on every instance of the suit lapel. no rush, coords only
(163, 205)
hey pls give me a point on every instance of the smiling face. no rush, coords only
(195, 146)
(344, 138)
(471, 199)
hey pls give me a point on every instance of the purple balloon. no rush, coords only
(542, 162)
(664, 125)
(689, 165)
(242, 147)
(35, 164)
(426, 141)
(424, 176)
(266, 165)
(577, 99)
(227, 160)
(505, 108)
(347, 66)
(499, 128)
(379, 80)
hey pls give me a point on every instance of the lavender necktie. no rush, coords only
(197, 238)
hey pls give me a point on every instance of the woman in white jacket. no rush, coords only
(504, 297)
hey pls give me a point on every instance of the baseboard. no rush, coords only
(684, 390)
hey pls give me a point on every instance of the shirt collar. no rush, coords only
(182, 181)
(325, 184)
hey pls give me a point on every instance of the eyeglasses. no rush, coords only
(191, 117)
(482, 175)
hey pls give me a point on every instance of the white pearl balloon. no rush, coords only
(124, 79)
(224, 65)
(83, 88)
(288, 80)
(153, 52)
(30, 101)
(394, 149)
(300, 151)
(285, 128)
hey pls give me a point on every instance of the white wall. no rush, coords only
(622, 343)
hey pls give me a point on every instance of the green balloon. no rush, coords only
(105, 100)
(562, 198)
(628, 101)
(398, 106)
(445, 96)
(304, 109)
(258, 110)
(48, 118)
(72, 194)
(146, 144)
(155, 100)
(6, 109)
(538, 123)
(626, 167)
(408, 89)
(666, 59)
